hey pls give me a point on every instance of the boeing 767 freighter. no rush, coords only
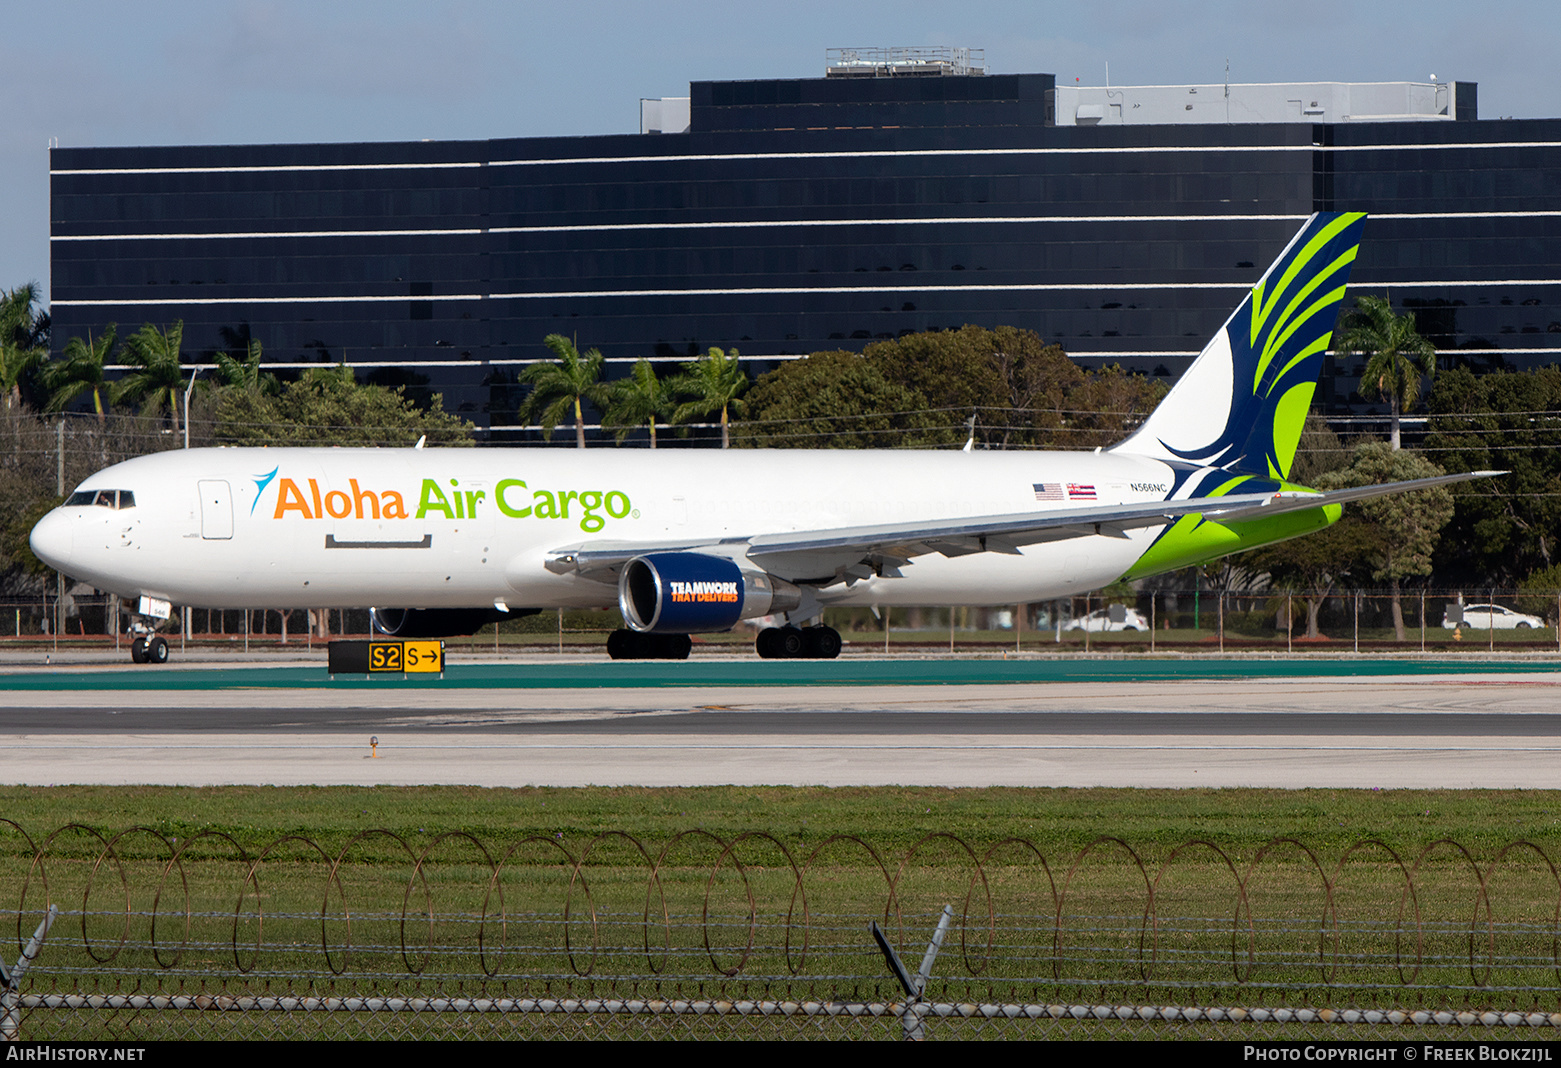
(441, 541)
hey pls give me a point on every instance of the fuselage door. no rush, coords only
(216, 510)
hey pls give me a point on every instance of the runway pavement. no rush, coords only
(1464, 728)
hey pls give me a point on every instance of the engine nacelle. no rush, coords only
(685, 593)
(439, 622)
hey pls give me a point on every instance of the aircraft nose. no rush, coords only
(53, 539)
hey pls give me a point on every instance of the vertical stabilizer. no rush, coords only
(1243, 401)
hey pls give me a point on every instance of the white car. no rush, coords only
(1491, 617)
(1100, 620)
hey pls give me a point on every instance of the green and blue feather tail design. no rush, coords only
(1261, 369)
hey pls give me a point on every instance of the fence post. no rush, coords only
(1222, 621)
(1086, 622)
(1490, 631)
(886, 630)
(1289, 623)
(1151, 622)
(1357, 621)
(1018, 629)
(10, 992)
(1422, 621)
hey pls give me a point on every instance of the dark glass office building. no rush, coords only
(798, 215)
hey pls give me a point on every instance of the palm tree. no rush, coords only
(716, 381)
(246, 374)
(24, 335)
(1396, 356)
(574, 378)
(81, 371)
(642, 398)
(159, 379)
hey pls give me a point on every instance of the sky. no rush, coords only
(93, 72)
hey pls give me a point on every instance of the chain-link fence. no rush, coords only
(699, 936)
(1185, 621)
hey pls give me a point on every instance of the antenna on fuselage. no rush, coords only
(420, 442)
(970, 443)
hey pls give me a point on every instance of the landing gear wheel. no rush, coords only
(823, 643)
(791, 643)
(767, 645)
(157, 651)
(138, 651)
(670, 646)
(623, 644)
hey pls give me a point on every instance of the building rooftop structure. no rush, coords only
(1165, 105)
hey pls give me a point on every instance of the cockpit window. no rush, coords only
(103, 498)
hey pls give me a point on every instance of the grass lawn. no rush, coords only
(1050, 888)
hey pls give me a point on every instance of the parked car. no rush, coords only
(1100, 620)
(1490, 616)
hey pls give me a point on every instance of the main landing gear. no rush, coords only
(791, 643)
(625, 644)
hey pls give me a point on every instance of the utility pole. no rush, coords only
(59, 491)
(187, 390)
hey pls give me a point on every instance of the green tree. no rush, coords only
(80, 370)
(1397, 357)
(639, 400)
(1103, 407)
(158, 380)
(956, 372)
(1314, 566)
(1538, 593)
(327, 406)
(1024, 392)
(555, 387)
(246, 374)
(715, 383)
(832, 400)
(1502, 529)
(24, 334)
(1404, 527)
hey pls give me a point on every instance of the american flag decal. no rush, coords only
(1048, 491)
(1078, 492)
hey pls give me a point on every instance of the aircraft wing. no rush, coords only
(849, 553)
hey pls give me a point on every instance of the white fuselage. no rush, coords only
(429, 528)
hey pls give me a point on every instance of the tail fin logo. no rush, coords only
(1261, 368)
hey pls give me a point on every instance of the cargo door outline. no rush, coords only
(216, 510)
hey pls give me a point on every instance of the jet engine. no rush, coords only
(439, 622)
(686, 593)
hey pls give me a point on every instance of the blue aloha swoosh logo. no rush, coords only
(261, 482)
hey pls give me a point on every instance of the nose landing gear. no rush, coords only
(145, 647)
